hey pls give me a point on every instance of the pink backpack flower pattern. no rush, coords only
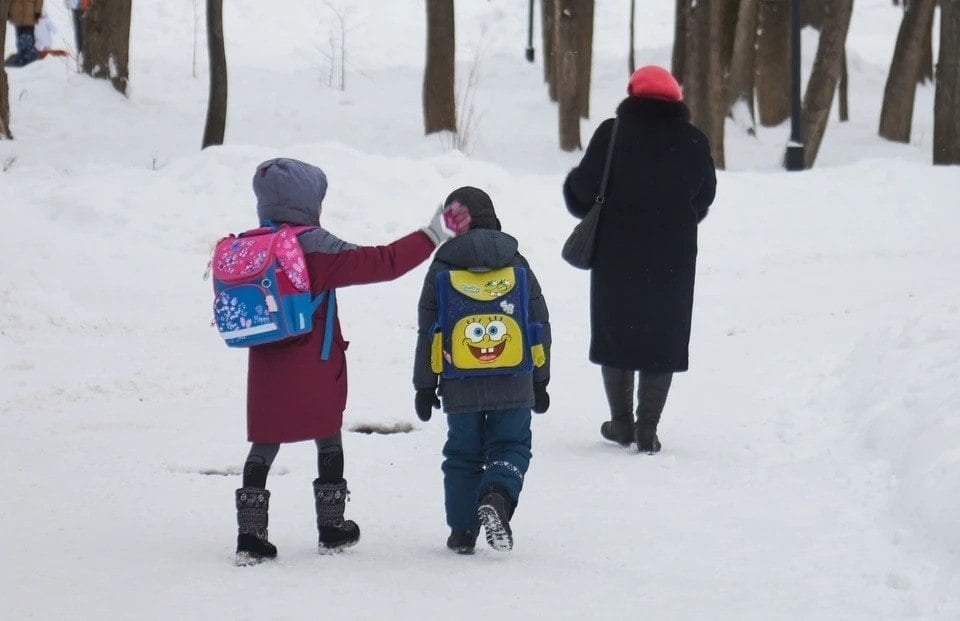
(262, 288)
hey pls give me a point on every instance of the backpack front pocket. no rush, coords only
(246, 314)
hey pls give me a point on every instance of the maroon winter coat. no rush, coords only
(292, 394)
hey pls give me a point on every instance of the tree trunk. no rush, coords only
(896, 115)
(825, 76)
(439, 98)
(216, 125)
(742, 64)
(4, 87)
(106, 42)
(926, 61)
(585, 55)
(704, 73)
(678, 62)
(632, 61)
(773, 62)
(568, 67)
(844, 89)
(549, 33)
(946, 117)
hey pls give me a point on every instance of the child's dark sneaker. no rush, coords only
(495, 510)
(462, 541)
(647, 440)
(253, 505)
(619, 430)
(336, 534)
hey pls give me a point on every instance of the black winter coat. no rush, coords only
(662, 182)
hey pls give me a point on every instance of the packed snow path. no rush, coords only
(809, 468)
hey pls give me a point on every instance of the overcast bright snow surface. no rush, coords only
(811, 467)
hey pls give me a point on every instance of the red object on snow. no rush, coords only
(654, 82)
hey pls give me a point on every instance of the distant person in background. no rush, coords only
(77, 8)
(24, 15)
(661, 183)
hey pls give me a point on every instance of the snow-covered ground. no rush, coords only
(812, 455)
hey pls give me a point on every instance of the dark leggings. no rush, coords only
(652, 394)
(329, 462)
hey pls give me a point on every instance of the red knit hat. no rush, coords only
(654, 82)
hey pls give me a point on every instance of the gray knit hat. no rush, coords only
(289, 191)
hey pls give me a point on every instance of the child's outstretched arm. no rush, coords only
(370, 264)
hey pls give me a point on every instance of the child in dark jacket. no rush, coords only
(292, 393)
(487, 398)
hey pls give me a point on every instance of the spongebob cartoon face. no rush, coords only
(487, 341)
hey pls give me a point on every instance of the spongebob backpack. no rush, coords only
(483, 326)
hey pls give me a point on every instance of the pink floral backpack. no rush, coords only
(261, 289)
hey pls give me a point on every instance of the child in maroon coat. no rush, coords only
(294, 395)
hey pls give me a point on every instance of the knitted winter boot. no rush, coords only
(496, 509)
(462, 541)
(336, 534)
(253, 504)
(619, 429)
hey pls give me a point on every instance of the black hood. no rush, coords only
(654, 109)
(480, 250)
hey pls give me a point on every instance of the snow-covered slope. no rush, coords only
(810, 463)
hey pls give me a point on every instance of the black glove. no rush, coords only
(425, 402)
(541, 397)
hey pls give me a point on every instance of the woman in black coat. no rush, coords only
(661, 183)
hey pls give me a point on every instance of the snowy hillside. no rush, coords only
(811, 463)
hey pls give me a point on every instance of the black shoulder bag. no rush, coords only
(581, 246)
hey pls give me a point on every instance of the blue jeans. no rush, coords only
(483, 449)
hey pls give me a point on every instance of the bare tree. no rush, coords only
(106, 42)
(549, 33)
(946, 120)
(216, 124)
(740, 82)
(678, 61)
(825, 77)
(585, 54)
(439, 84)
(568, 68)
(896, 115)
(844, 89)
(773, 62)
(703, 69)
(4, 87)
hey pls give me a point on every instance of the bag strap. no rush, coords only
(602, 195)
(331, 298)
